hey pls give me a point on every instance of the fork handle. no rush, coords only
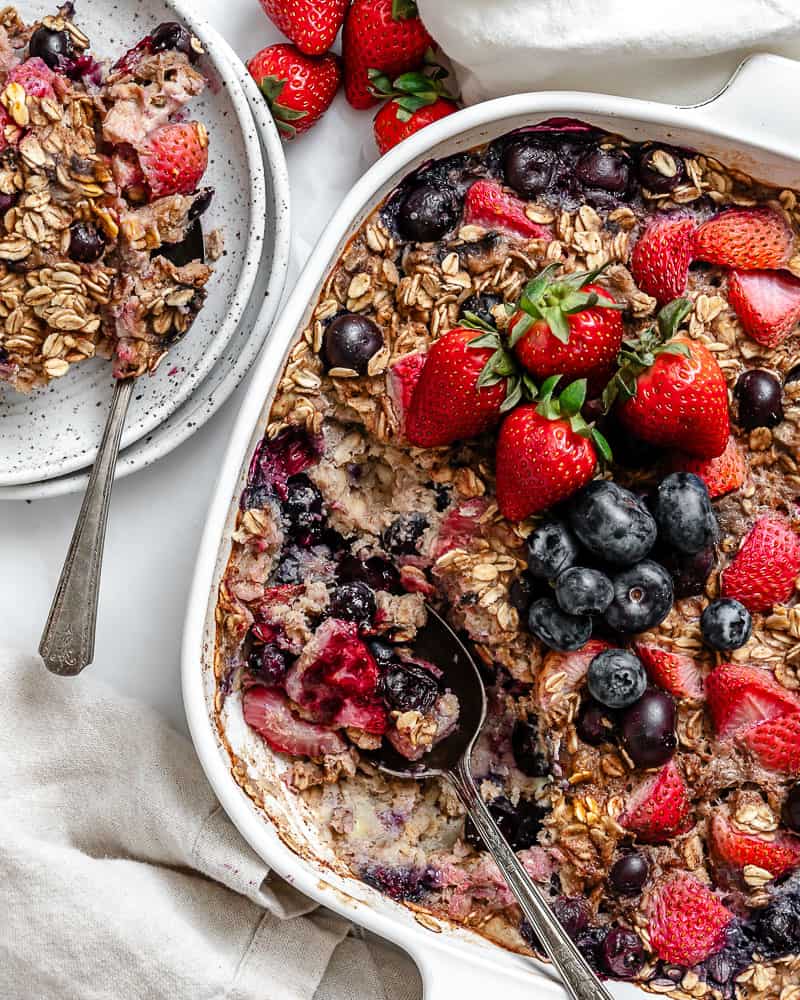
(67, 643)
(578, 978)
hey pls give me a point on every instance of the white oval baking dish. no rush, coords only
(752, 125)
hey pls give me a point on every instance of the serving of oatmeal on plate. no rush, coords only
(551, 387)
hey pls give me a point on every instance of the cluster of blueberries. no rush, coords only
(593, 567)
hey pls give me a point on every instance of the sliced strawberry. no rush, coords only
(659, 807)
(34, 76)
(730, 846)
(687, 921)
(174, 157)
(741, 697)
(747, 238)
(661, 257)
(267, 711)
(488, 205)
(460, 526)
(549, 682)
(674, 672)
(723, 474)
(764, 570)
(776, 744)
(766, 302)
(401, 380)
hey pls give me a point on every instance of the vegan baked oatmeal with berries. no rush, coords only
(552, 388)
(101, 246)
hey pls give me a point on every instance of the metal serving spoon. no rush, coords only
(450, 759)
(67, 643)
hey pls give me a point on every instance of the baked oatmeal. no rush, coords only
(101, 248)
(552, 387)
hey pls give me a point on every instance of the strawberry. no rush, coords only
(740, 697)
(747, 238)
(545, 452)
(311, 24)
(392, 124)
(573, 667)
(671, 390)
(384, 35)
(401, 380)
(723, 474)
(567, 325)
(661, 257)
(766, 302)
(687, 921)
(34, 76)
(733, 848)
(776, 744)
(267, 711)
(766, 566)
(417, 99)
(462, 390)
(659, 807)
(299, 89)
(174, 157)
(488, 205)
(674, 672)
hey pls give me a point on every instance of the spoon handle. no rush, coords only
(67, 643)
(578, 978)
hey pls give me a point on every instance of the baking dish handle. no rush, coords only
(757, 97)
(448, 974)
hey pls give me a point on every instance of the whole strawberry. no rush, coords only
(311, 24)
(174, 157)
(765, 568)
(385, 35)
(566, 325)
(299, 89)
(417, 99)
(467, 380)
(545, 452)
(670, 391)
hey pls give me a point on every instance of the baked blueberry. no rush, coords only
(86, 242)
(594, 724)
(526, 749)
(623, 953)
(428, 212)
(303, 503)
(612, 523)
(353, 602)
(758, 394)
(778, 925)
(689, 572)
(528, 167)
(481, 306)
(408, 687)
(606, 169)
(726, 624)
(791, 808)
(51, 46)
(583, 591)
(269, 663)
(552, 548)
(683, 513)
(290, 567)
(520, 825)
(648, 729)
(557, 629)
(402, 537)
(349, 341)
(616, 678)
(191, 247)
(642, 598)
(384, 653)
(660, 169)
(524, 590)
(629, 873)
(572, 913)
(172, 35)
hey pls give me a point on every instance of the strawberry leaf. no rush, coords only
(520, 328)
(270, 87)
(502, 362)
(602, 446)
(531, 389)
(555, 319)
(474, 322)
(549, 384)
(402, 10)
(671, 316)
(513, 395)
(680, 349)
(573, 397)
(488, 339)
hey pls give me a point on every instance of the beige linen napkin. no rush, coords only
(121, 877)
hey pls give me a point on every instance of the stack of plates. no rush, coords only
(49, 438)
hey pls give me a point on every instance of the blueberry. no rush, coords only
(269, 663)
(86, 242)
(778, 925)
(383, 652)
(572, 913)
(726, 624)
(612, 523)
(349, 341)
(552, 548)
(590, 945)
(396, 882)
(642, 598)
(582, 591)
(403, 535)
(629, 873)
(648, 729)
(623, 953)
(353, 602)
(606, 169)
(408, 687)
(428, 212)
(303, 504)
(290, 568)
(689, 572)
(51, 46)
(791, 808)
(518, 825)
(594, 725)
(171, 35)
(557, 629)
(376, 572)
(524, 589)
(528, 167)
(616, 678)
(190, 248)
(526, 749)
(481, 306)
(660, 169)
(758, 394)
(683, 513)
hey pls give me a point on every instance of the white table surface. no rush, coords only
(157, 514)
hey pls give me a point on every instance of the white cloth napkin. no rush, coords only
(121, 877)
(681, 51)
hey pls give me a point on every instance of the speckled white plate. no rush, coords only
(250, 334)
(54, 431)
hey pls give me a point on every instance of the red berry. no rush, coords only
(661, 257)
(174, 158)
(311, 24)
(723, 474)
(764, 570)
(674, 672)
(747, 238)
(776, 745)
(687, 921)
(733, 848)
(488, 205)
(659, 807)
(766, 302)
(741, 697)
(299, 89)
(392, 124)
(573, 667)
(267, 711)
